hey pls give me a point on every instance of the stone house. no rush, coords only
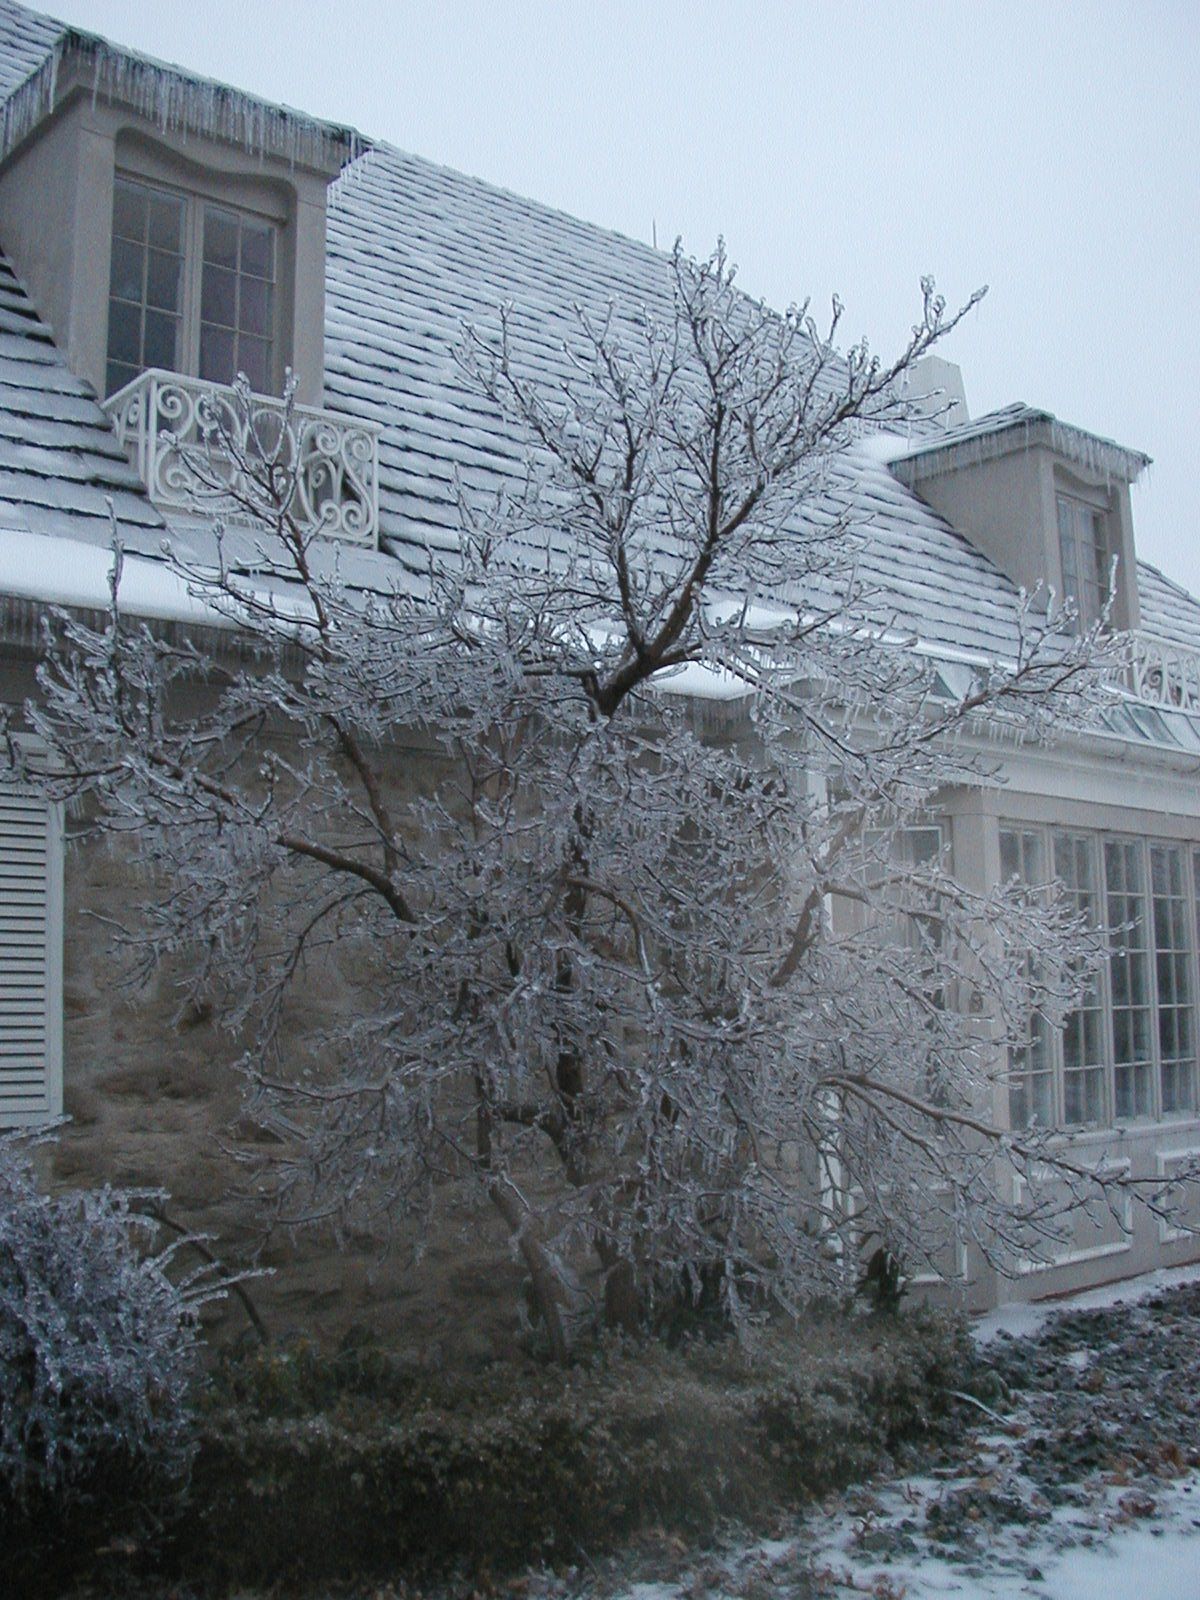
(160, 233)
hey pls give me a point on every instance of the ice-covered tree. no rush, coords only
(667, 989)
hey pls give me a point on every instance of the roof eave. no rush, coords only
(175, 101)
(1091, 451)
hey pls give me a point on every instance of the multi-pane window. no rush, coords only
(909, 851)
(1128, 1051)
(237, 299)
(192, 288)
(1083, 551)
(145, 294)
(1083, 1054)
(1031, 1079)
(1129, 977)
(1173, 977)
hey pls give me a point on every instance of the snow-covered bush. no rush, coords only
(97, 1343)
(364, 1462)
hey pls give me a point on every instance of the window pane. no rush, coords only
(166, 221)
(1173, 980)
(254, 307)
(1133, 1091)
(159, 347)
(118, 376)
(1098, 553)
(1130, 968)
(124, 333)
(129, 210)
(216, 355)
(221, 237)
(164, 276)
(1010, 855)
(258, 250)
(1083, 1037)
(1067, 548)
(254, 359)
(125, 278)
(218, 297)
(1083, 1096)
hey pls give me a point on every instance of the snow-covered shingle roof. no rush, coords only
(415, 251)
(1169, 612)
(60, 464)
(27, 40)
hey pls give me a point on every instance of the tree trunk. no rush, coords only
(545, 1281)
(622, 1303)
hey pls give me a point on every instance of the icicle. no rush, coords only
(176, 103)
(995, 437)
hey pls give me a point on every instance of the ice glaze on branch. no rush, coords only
(645, 990)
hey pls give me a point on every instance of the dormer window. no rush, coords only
(192, 288)
(1046, 502)
(1084, 554)
(237, 298)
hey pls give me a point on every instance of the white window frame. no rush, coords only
(1087, 538)
(1096, 841)
(195, 203)
(21, 1103)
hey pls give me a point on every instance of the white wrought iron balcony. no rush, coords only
(1164, 674)
(190, 440)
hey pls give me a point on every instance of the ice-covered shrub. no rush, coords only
(363, 1463)
(97, 1343)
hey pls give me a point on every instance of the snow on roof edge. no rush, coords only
(992, 435)
(178, 101)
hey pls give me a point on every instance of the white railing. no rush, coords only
(172, 428)
(1164, 674)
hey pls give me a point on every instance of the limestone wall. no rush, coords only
(157, 1102)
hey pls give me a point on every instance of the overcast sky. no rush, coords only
(1049, 150)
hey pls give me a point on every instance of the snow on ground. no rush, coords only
(1087, 1488)
(1022, 1321)
(1114, 1549)
(1127, 1559)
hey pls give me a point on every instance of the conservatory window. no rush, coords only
(1083, 551)
(192, 288)
(1173, 969)
(1031, 1078)
(1128, 1051)
(1084, 1097)
(1129, 974)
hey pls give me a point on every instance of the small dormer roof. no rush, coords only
(1013, 428)
(172, 99)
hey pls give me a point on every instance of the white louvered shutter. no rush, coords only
(29, 1032)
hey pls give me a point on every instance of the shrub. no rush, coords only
(97, 1349)
(316, 1467)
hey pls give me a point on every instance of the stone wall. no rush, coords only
(156, 1102)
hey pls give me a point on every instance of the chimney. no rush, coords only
(934, 388)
